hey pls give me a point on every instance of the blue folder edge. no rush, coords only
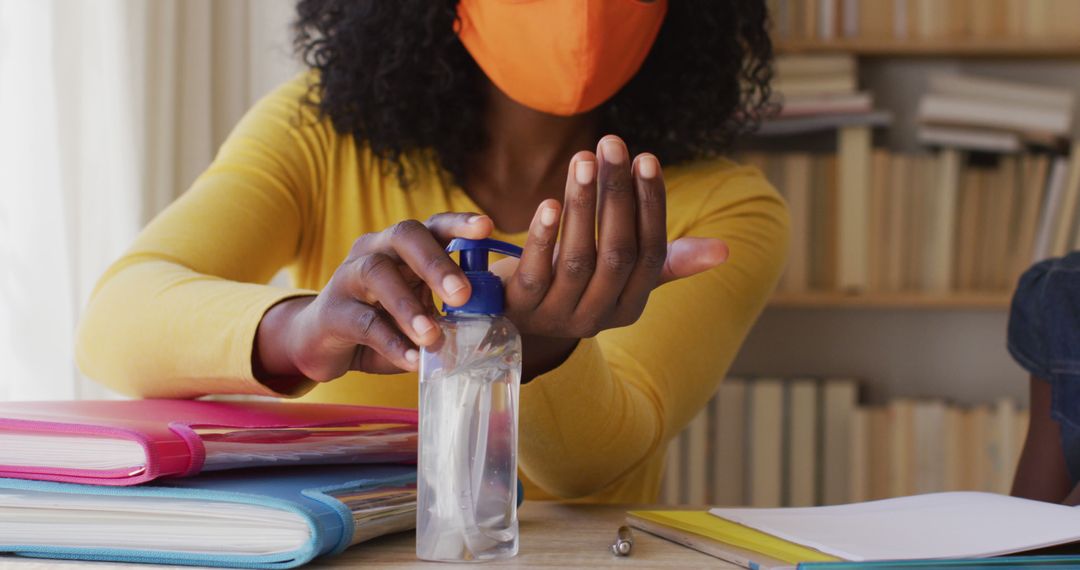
(1010, 562)
(330, 522)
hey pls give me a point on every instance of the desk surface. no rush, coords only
(552, 536)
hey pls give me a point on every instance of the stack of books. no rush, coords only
(948, 222)
(819, 92)
(997, 20)
(981, 114)
(804, 442)
(938, 530)
(233, 484)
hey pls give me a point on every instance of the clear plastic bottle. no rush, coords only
(469, 383)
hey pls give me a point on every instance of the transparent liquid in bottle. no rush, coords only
(467, 464)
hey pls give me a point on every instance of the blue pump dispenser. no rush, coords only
(487, 288)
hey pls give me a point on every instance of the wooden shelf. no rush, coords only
(919, 47)
(836, 300)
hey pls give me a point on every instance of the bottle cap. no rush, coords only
(487, 288)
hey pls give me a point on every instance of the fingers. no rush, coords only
(421, 248)
(369, 360)
(577, 249)
(367, 326)
(378, 278)
(691, 255)
(351, 325)
(449, 225)
(418, 248)
(533, 273)
(617, 244)
(651, 234)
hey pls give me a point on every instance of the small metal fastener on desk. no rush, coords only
(624, 542)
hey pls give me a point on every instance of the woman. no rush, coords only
(466, 116)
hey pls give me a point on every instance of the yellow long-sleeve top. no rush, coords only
(176, 316)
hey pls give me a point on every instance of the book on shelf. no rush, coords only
(859, 466)
(799, 125)
(805, 442)
(801, 444)
(817, 65)
(878, 452)
(1038, 125)
(728, 443)
(928, 421)
(819, 92)
(1063, 239)
(765, 442)
(978, 113)
(940, 248)
(883, 20)
(1002, 91)
(1051, 211)
(838, 397)
(853, 186)
(968, 138)
(827, 104)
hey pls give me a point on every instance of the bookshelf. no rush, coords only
(922, 333)
(1051, 48)
(917, 340)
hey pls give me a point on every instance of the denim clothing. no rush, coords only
(1044, 338)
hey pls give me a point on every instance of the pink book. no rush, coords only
(134, 441)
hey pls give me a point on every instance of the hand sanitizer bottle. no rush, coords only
(467, 465)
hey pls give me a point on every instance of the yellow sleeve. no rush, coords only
(176, 316)
(622, 395)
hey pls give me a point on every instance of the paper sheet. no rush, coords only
(937, 525)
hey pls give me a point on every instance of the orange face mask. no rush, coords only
(562, 57)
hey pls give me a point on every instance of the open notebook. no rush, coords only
(957, 526)
(131, 442)
(264, 518)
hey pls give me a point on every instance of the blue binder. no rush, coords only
(303, 491)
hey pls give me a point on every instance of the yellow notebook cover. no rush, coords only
(715, 528)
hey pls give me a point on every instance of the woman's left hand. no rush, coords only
(612, 253)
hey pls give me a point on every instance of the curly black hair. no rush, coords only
(394, 74)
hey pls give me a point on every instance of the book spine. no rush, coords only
(854, 182)
(838, 407)
(1069, 202)
(729, 444)
(765, 436)
(801, 443)
(939, 261)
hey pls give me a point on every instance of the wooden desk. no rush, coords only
(552, 536)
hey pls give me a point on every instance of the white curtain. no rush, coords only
(110, 109)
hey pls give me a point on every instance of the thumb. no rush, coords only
(691, 255)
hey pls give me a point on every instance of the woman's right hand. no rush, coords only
(375, 311)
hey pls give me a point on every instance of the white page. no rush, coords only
(42, 518)
(937, 525)
(70, 451)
